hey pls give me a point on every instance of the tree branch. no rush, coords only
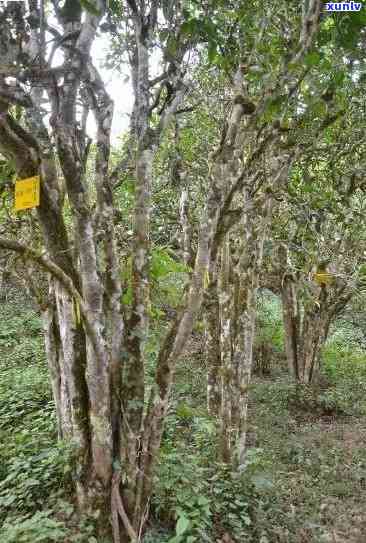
(44, 262)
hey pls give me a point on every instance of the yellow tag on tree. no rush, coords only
(27, 193)
(323, 278)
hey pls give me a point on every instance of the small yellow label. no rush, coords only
(27, 193)
(323, 278)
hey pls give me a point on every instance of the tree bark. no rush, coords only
(306, 327)
(212, 342)
(227, 369)
(291, 322)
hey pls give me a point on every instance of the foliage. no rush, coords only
(40, 527)
(344, 362)
(168, 276)
(202, 497)
(269, 328)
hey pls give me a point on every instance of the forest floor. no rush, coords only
(304, 479)
(306, 456)
(318, 461)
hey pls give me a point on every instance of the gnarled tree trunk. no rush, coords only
(307, 322)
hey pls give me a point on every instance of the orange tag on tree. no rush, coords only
(27, 193)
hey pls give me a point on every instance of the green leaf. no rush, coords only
(89, 6)
(212, 51)
(172, 46)
(183, 525)
(262, 482)
(162, 264)
(312, 59)
(274, 107)
(189, 28)
(202, 500)
(127, 296)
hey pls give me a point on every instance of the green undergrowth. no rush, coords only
(345, 366)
